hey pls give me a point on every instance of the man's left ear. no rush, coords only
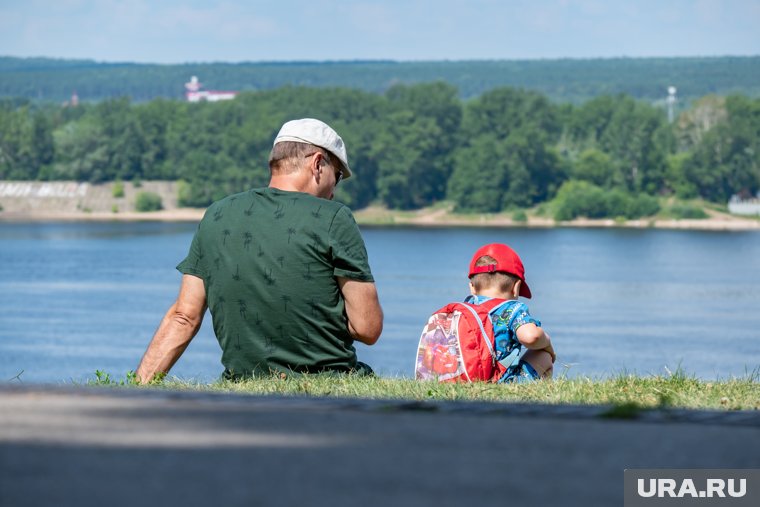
(321, 162)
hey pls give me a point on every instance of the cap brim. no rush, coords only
(525, 290)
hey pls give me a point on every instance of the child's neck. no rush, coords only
(495, 293)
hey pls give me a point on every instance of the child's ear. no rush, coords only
(516, 289)
(472, 288)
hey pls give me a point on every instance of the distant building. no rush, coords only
(74, 102)
(195, 93)
(739, 206)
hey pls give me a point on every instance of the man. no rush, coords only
(283, 269)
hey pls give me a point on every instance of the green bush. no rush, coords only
(148, 201)
(643, 205)
(579, 198)
(118, 189)
(583, 199)
(519, 216)
(680, 211)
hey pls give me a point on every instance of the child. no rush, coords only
(496, 271)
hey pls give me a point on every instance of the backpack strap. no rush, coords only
(495, 306)
(483, 333)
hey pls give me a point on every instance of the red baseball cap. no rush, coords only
(507, 261)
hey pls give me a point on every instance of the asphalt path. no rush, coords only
(111, 447)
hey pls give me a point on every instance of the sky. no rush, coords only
(173, 31)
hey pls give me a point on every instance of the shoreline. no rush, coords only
(67, 201)
(374, 216)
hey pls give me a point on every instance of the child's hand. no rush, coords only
(550, 350)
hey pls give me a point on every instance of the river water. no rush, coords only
(80, 297)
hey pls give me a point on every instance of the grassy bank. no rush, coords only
(674, 391)
(674, 214)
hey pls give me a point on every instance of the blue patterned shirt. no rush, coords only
(510, 317)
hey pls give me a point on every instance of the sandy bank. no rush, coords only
(84, 202)
(382, 217)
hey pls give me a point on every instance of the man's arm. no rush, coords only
(178, 327)
(365, 316)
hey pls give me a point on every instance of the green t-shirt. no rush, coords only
(268, 259)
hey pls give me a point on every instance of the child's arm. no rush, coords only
(535, 338)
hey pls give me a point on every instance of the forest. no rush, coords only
(561, 80)
(410, 147)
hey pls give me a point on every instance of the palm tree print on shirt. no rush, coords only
(218, 214)
(226, 233)
(249, 211)
(308, 275)
(291, 231)
(236, 276)
(199, 258)
(316, 214)
(279, 212)
(247, 238)
(286, 299)
(242, 308)
(269, 278)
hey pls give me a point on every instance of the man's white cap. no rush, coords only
(311, 131)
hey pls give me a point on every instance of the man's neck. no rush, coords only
(288, 183)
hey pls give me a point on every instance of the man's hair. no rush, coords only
(286, 156)
(499, 280)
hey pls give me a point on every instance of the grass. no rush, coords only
(684, 210)
(626, 393)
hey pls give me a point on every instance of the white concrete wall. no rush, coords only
(71, 196)
(750, 207)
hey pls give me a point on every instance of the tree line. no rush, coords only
(410, 147)
(562, 80)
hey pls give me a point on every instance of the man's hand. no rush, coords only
(365, 316)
